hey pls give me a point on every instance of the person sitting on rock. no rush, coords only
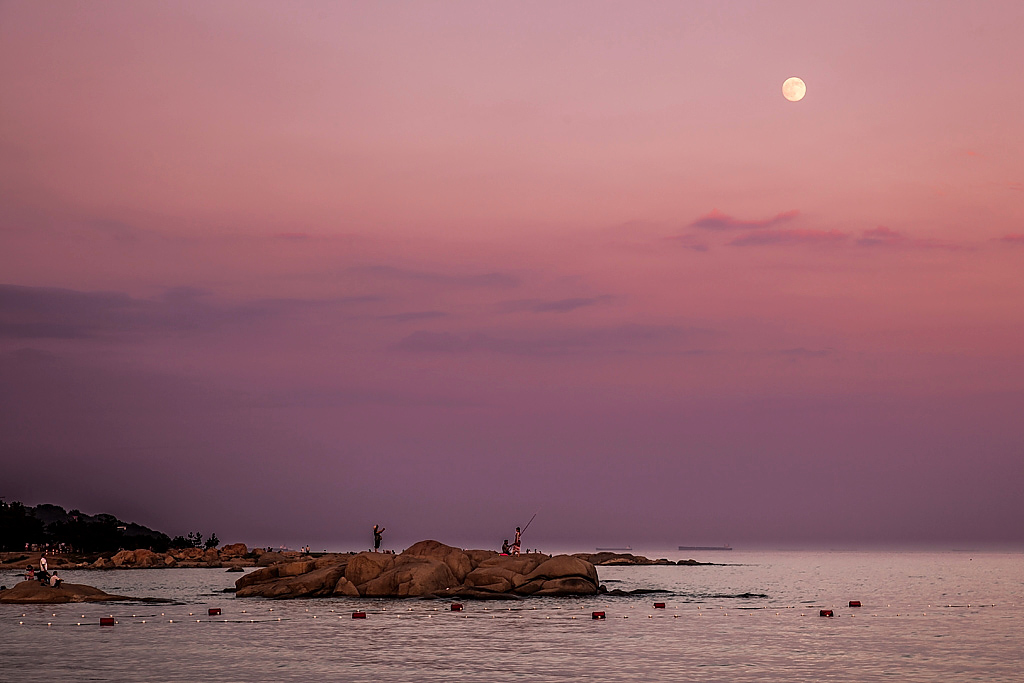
(30, 573)
(377, 537)
(55, 581)
(505, 548)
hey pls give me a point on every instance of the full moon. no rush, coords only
(794, 89)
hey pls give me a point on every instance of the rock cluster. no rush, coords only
(33, 592)
(610, 559)
(427, 568)
(234, 555)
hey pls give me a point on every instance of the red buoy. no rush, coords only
(359, 615)
(107, 621)
(659, 605)
(825, 613)
(854, 603)
(597, 615)
(456, 606)
(214, 611)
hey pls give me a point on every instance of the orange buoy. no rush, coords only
(825, 613)
(854, 603)
(597, 615)
(456, 606)
(214, 611)
(659, 605)
(359, 615)
(107, 621)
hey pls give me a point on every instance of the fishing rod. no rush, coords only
(530, 522)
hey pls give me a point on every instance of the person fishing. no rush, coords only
(377, 537)
(518, 541)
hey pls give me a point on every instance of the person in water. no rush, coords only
(517, 542)
(377, 537)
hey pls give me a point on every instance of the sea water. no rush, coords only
(925, 616)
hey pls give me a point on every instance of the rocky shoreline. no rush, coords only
(425, 569)
(237, 556)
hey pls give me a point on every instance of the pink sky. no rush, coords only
(286, 270)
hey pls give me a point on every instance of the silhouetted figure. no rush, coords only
(505, 548)
(377, 537)
(517, 542)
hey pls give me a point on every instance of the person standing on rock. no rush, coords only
(42, 563)
(377, 537)
(517, 542)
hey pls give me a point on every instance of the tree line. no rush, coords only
(52, 527)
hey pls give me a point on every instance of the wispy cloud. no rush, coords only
(690, 242)
(52, 313)
(413, 316)
(717, 220)
(1013, 239)
(785, 238)
(552, 305)
(617, 339)
(885, 237)
(496, 280)
(292, 236)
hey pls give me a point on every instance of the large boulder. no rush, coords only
(123, 557)
(346, 588)
(562, 566)
(268, 558)
(296, 568)
(234, 550)
(368, 566)
(455, 558)
(308, 584)
(412, 577)
(33, 592)
(147, 558)
(187, 554)
(495, 579)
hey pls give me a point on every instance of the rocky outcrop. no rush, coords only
(426, 569)
(609, 559)
(236, 555)
(33, 592)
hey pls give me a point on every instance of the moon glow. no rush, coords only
(794, 89)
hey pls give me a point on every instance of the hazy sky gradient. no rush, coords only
(286, 270)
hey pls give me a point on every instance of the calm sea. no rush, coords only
(952, 616)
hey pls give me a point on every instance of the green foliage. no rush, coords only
(194, 539)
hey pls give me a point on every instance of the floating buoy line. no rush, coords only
(656, 611)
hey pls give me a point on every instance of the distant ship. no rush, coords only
(725, 546)
(628, 547)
